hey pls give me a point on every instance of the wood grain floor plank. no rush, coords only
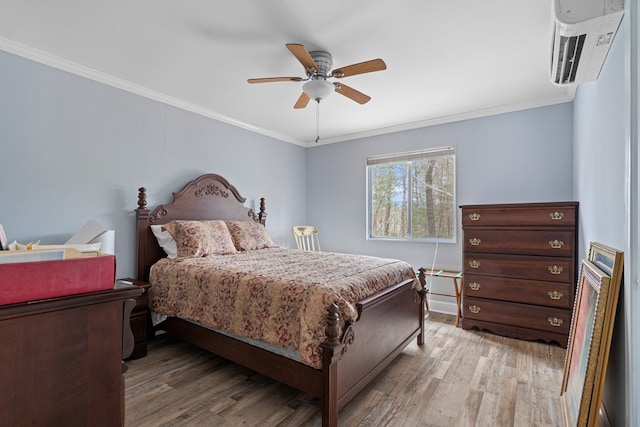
(458, 378)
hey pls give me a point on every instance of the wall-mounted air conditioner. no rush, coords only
(582, 34)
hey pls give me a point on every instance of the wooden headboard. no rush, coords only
(209, 196)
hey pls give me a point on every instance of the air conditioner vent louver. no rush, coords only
(570, 50)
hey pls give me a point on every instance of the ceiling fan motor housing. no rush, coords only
(324, 61)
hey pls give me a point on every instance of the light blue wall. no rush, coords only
(601, 173)
(600, 165)
(72, 149)
(524, 156)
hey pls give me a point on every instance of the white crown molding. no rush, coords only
(107, 79)
(568, 97)
(98, 76)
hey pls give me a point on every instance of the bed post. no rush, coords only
(262, 215)
(331, 352)
(142, 215)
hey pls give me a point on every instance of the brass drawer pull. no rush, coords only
(474, 309)
(556, 244)
(554, 269)
(554, 321)
(474, 264)
(555, 295)
(474, 216)
(556, 216)
(475, 241)
(474, 286)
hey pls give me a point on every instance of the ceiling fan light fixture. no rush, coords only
(318, 89)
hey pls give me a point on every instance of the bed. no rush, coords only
(352, 347)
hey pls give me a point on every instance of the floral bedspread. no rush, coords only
(275, 295)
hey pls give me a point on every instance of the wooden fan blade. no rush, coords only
(302, 101)
(301, 53)
(351, 93)
(275, 79)
(361, 68)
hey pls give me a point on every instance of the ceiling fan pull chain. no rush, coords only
(318, 121)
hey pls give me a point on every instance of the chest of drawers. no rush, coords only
(520, 267)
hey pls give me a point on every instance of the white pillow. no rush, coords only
(165, 240)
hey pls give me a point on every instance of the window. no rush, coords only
(411, 196)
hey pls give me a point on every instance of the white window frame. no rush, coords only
(410, 157)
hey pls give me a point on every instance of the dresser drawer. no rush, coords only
(520, 267)
(516, 241)
(550, 294)
(519, 315)
(554, 215)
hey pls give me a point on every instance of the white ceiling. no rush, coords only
(446, 60)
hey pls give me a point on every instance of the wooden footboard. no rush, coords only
(387, 323)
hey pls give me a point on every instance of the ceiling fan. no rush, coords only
(317, 66)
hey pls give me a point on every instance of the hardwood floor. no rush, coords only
(458, 378)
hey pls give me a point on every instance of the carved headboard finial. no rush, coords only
(142, 198)
(262, 216)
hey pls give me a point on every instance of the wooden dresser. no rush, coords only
(61, 359)
(520, 269)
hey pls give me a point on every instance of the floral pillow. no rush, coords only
(249, 235)
(201, 238)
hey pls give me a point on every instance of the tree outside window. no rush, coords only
(411, 196)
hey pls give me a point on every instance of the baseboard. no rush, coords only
(443, 307)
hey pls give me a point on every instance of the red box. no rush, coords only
(29, 281)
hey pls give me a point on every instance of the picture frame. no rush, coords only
(584, 339)
(607, 259)
(611, 262)
(590, 335)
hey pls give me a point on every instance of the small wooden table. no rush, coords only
(140, 319)
(447, 274)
